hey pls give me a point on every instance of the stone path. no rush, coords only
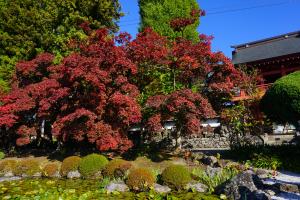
(285, 177)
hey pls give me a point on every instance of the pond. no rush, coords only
(54, 189)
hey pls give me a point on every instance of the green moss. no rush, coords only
(92, 164)
(50, 170)
(2, 155)
(117, 168)
(65, 189)
(8, 165)
(69, 164)
(27, 167)
(176, 176)
(140, 179)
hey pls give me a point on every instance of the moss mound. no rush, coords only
(116, 168)
(50, 170)
(176, 177)
(140, 179)
(92, 164)
(69, 164)
(27, 167)
(8, 166)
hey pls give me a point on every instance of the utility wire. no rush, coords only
(247, 8)
(221, 12)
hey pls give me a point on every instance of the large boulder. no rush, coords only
(241, 186)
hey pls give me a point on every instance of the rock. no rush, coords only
(197, 156)
(209, 160)
(270, 192)
(117, 187)
(240, 186)
(37, 175)
(14, 178)
(259, 195)
(25, 176)
(285, 187)
(97, 176)
(73, 174)
(161, 188)
(56, 175)
(263, 173)
(211, 171)
(8, 174)
(199, 187)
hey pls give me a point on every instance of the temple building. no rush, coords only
(274, 57)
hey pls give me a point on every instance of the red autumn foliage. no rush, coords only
(91, 96)
(180, 23)
(185, 107)
(87, 97)
(191, 61)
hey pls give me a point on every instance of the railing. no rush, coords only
(264, 86)
(239, 94)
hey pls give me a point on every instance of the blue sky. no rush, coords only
(233, 21)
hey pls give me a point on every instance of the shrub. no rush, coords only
(281, 102)
(176, 176)
(2, 155)
(214, 179)
(69, 164)
(27, 167)
(117, 168)
(140, 179)
(8, 166)
(264, 161)
(91, 164)
(50, 170)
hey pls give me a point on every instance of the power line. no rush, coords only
(223, 11)
(247, 8)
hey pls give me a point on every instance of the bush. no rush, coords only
(281, 102)
(7, 166)
(50, 170)
(2, 155)
(265, 162)
(212, 180)
(92, 164)
(176, 176)
(140, 179)
(117, 168)
(27, 167)
(69, 164)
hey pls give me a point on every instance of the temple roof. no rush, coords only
(268, 48)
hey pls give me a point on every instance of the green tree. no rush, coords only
(29, 27)
(281, 102)
(158, 14)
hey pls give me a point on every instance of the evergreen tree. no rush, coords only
(29, 27)
(158, 14)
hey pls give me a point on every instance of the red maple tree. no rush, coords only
(206, 79)
(87, 97)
